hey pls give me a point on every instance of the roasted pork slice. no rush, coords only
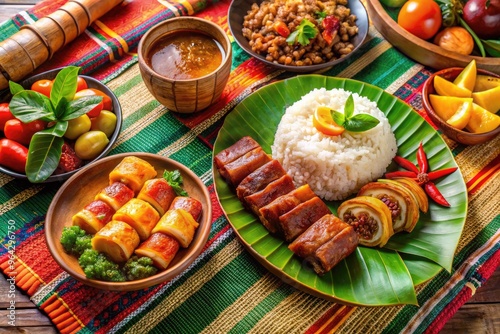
(117, 240)
(325, 243)
(189, 204)
(273, 190)
(270, 213)
(93, 216)
(260, 178)
(160, 247)
(235, 171)
(159, 193)
(116, 195)
(133, 172)
(140, 215)
(233, 152)
(296, 221)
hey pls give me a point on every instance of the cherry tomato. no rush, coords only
(90, 144)
(421, 18)
(13, 155)
(5, 115)
(22, 132)
(281, 29)
(81, 84)
(323, 121)
(90, 92)
(43, 86)
(106, 100)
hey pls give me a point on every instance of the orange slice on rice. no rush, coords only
(324, 123)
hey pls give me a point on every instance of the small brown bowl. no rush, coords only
(187, 95)
(81, 189)
(463, 137)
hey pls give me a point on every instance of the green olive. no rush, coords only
(90, 144)
(105, 122)
(77, 126)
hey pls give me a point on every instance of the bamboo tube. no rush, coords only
(27, 49)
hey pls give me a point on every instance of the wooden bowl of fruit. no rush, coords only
(79, 115)
(464, 103)
(423, 49)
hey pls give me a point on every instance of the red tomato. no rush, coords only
(106, 100)
(281, 28)
(422, 18)
(13, 155)
(43, 86)
(5, 115)
(96, 111)
(81, 84)
(22, 132)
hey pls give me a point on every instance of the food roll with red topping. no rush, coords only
(159, 193)
(233, 152)
(93, 216)
(160, 247)
(179, 224)
(117, 239)
(140, 215)
(132, 171)
(116, 195)
(189, 204)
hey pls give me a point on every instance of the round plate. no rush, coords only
(422, 51)
(92, 83)
(239, 8)
(369, 276)
(80, 190)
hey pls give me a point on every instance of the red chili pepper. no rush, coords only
(406, 164)
(331, 26)
(5, 115)
(440, 173)
(422, 159)
(22, 132)
(435, 194)
(13, 155)
(401, 173)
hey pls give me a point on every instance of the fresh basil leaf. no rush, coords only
(61, 108)
(338, 117)
(360, 123)
(29, 105)
(492, 47)
(15, 87)
(349, 107)
(58, 130)
(80, 106)
(43, 156)
(64, 85)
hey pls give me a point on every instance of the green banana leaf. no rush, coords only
(370, 276)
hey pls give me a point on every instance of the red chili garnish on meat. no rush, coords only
(331, 25)
(421, 174)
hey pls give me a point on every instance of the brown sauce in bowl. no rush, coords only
(185, 54)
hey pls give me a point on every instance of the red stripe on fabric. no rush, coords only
(323, 319)
(490, 266)
(485, 174)
(338, 320)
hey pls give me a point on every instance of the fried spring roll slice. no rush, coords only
(140, 215)
(160, 247)
(117, 240)
(273, 190)
(189, 204)
(260, 178)
(116, 195)
(159, 193)
(269, 214)
(93, 216)
(179, 224)
(133, 172)
(297, 220)
(235, 171)
(233, 152)
(325, 243)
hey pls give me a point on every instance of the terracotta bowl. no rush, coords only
(92, 83)
(239, 8)
(422, 51)
(461, 136)
(189, 95)
(81, 188)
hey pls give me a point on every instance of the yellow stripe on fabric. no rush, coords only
(20, 198)
(102, 44)
(234, 313)
(486, 175)
(113, 34)
(195, 282)
(410, 73)
(172, 8)
(187, 5)
(69, 310)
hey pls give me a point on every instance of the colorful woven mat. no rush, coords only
(225, 290)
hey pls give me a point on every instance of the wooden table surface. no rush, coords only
(481, 314)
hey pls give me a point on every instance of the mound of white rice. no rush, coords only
(333, 166)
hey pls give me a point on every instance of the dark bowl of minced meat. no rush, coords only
(302, 36)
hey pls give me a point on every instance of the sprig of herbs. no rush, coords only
(45, 147)
(174, 178)
(305, 31)
(351, 122)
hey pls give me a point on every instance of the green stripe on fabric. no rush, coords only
(126, 86)
(7, 29)
(239, 56)
(196, 156)
(403, 317)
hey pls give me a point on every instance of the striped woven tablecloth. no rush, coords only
(225, 289)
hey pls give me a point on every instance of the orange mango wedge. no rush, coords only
(448, 88)
(481, 120)
(488, 99)
(447, 106)
(467, 78)
(461, 117)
